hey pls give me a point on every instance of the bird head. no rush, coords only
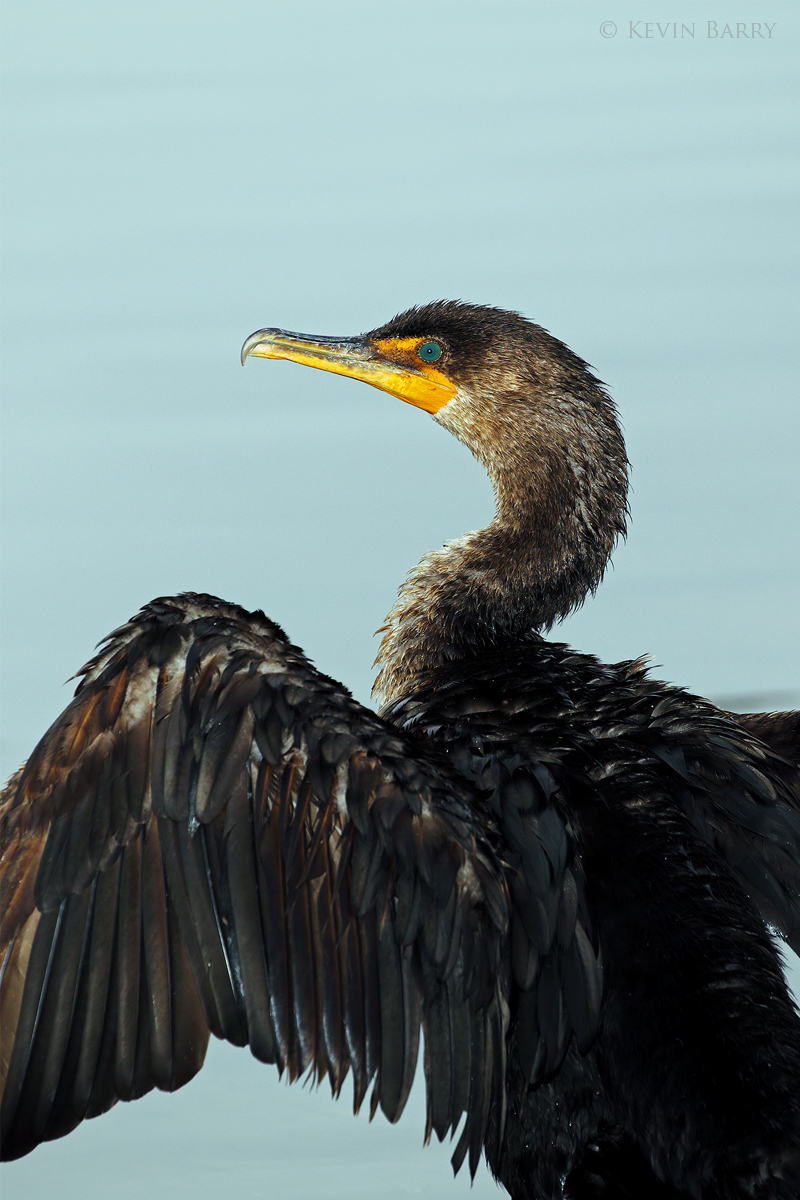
(527, 407)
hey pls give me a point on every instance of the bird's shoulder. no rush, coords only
(609, 737)
(541, 697)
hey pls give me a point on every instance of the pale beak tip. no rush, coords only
(261, 337)
(250, 345)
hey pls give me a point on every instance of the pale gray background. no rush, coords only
(179, 174)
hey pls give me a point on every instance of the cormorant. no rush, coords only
(564, 874)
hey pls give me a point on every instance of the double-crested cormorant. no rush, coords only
(564, 873)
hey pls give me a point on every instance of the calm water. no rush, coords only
(177, 175)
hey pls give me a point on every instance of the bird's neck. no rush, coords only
(486, 589)
(557, 463)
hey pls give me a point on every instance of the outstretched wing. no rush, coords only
(214, 837)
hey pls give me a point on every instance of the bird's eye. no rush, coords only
(430, 352)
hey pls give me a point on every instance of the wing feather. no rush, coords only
(242, 874)
(216, 838)
(80, 1067)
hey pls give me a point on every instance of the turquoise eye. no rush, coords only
(430, 352)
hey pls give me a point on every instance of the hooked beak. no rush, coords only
(387, 365)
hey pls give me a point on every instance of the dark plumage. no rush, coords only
(562, 874)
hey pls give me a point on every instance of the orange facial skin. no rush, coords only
(390, 364)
